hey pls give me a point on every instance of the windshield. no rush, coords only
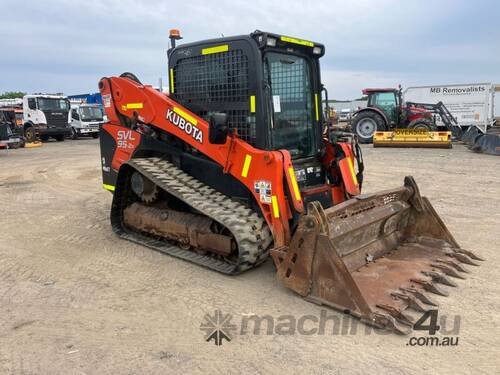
(50, 104)
(289, 80)
(91, 113)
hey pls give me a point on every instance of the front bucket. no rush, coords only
(374, 257)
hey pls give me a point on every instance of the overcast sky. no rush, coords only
(66, 46)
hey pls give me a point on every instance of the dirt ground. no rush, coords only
(75, 299)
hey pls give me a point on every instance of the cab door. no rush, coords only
(30, 111)
(75, 119)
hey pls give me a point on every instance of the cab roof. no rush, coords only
(261, 38)
(76, 105)
(372, 90)
(47, 96)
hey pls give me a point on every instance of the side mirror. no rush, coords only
(218, 128)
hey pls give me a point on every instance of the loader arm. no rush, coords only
(123, 99)
(439, 108)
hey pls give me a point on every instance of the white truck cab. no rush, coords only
(45, 116)
(345, 114)
(85, 120)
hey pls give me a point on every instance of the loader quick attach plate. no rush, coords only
(412, 138)
(376, 257)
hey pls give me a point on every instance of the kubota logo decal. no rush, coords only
(185, 125)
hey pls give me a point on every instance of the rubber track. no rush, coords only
(251, 232)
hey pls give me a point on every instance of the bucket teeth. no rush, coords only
(462, 258)
(419, 295)
(398, 315)
(388, 322)
(448, 270)
(439, 278)
(470, 254)
(412, 301)
(430, 287)
(453, 264)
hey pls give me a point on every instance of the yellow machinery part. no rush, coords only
(33, 144)
(412, 138)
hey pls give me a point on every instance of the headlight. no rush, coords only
(317, 50)
(271, 42)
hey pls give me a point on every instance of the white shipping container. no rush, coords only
(470, 104)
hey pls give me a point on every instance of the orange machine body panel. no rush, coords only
(251, 166)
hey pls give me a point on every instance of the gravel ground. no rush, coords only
(76, 299)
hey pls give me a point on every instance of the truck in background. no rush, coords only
(46, 116)
(15, 116)
(7, 138)
(345, 115)
(91, 98)
(86, 119)
(470, 104)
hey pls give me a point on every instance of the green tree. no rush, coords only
(12, 95)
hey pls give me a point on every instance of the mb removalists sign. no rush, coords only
(470, 104)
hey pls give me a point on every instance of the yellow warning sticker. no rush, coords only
(246, 165)
(302, 42)
(276, 210)
(108, 187)
(132, 106)
(216, 49)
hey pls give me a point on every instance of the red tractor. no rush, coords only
(386, 111)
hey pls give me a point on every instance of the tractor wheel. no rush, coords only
(423, 124)
(59, 138)
(29, 134)
(366, 124)
(74, 134)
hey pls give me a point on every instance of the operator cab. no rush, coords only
(387, 100)
(269, 85)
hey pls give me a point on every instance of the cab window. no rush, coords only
(384, 99)
(32, 103)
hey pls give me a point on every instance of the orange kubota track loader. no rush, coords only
(236, 164)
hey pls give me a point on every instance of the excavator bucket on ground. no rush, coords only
(374, 256)
(412, 138)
